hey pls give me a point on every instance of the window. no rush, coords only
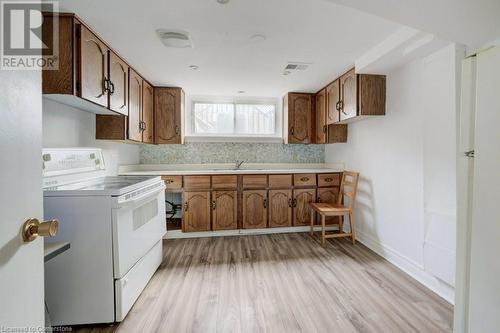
(234, 119)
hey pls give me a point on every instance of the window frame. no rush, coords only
(276, 137)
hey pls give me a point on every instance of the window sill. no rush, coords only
(236, 139)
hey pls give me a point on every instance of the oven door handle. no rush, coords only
(142, 196)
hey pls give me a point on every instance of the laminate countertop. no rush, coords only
(225, 169)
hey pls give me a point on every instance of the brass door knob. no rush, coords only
(33, 228)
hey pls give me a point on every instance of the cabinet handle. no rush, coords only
(294, 202)
(291, 130)
(214, 205)
(324, 128)
(328, 180)
(337, 106)
(168, 181)
(144, 126)
(290, 204)
(186, 207)
(112, 87)
(265, 203)
(105, 85)
(304, 179)
(176, 129)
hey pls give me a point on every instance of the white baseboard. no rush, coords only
(179, 234)
(409, 266)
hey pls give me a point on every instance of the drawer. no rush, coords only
(255, 181)
(304, 179)
(280, 181)
(197, 182)
(172, 182)
(328, 179)
(229, 182)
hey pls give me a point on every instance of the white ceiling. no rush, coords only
(329, 36)
(471, 22)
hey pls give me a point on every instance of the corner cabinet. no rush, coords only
(168, 110)
(298, 108)
(361, 96)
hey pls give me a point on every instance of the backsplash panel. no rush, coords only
(195, 153)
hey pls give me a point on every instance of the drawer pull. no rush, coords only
(168, 181)
(328, 180)
(304, 179)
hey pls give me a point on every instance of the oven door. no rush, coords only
(138, 224)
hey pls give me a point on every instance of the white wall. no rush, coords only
(65, 126)
(407, 160)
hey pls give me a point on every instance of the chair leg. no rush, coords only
(341, 224)
(351, 225)
(323, 230)
(313, 213)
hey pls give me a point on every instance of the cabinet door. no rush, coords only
(93, 68)
(329, 195)
(332, 98)
(302, 210)
(167, 112)
(348, 95)
(147, 112)
(280, 208)
(196, 216)
(321, 130)
(224, 210)
(254, 209)
(299, 118)
(135, 107)
(118, 86)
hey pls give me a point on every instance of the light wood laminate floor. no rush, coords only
(280, 283)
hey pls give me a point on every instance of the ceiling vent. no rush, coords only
(176, 39)
(296, 66)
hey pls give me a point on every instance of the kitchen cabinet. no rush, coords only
(332, 99)
(329, 195)
(280, 208)
(135, 126)
(94, 67)
(321, 128)
(117, 84)
(361, 96)
(301, 208)
(147, 113)
(298, 108)
(224, 210)
(168, 109)
(196, 215)
(254, 209)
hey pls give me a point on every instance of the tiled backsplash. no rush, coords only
(195, 153)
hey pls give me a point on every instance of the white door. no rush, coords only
(484, 293)
(21, 264)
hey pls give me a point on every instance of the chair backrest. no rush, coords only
(348, 187)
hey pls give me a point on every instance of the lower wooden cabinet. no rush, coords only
(301, 208)
(196, 215)
(328, 195)
(280, 208)
(224, 210)
(254, 209)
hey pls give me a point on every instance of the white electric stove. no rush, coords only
(115, 226)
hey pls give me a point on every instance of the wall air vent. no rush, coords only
(296, 66)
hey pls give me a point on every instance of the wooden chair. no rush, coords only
(348, 188)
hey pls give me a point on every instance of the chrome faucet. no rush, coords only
(238, 164)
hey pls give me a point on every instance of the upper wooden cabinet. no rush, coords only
(147, 113)
(361, 95)
(135, 128)
(118, 84)
(332, 99)
(168, 109)
(298, 107)
(321, 117)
